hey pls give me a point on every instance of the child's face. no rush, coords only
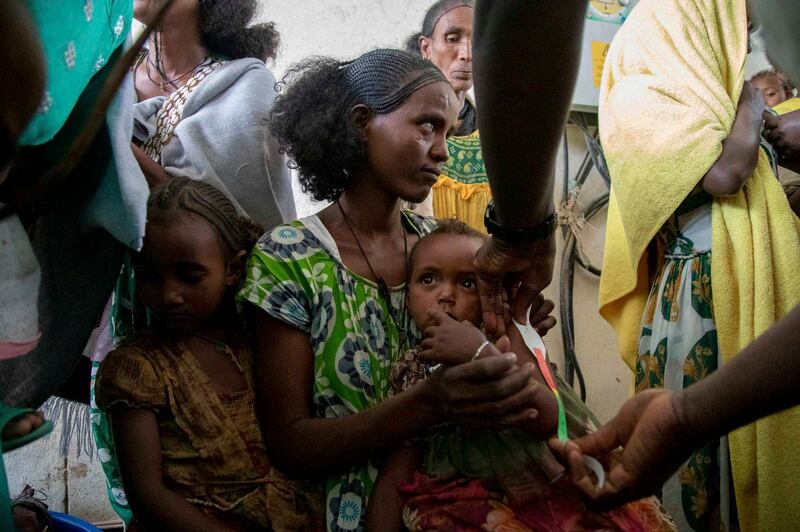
(443, 277)
(771, 89)
(407, 147)
(182, 271)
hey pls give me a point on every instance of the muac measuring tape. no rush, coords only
(535, 343)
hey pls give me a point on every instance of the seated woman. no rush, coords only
(327, 293)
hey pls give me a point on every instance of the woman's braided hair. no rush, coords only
(311, 120)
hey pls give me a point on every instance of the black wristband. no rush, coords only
(543, 231)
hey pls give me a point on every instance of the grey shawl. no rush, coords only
(223, 139)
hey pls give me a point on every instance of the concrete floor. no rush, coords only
(73, 484)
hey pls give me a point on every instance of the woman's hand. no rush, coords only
(491, 391)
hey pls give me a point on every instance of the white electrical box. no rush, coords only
(603, 19)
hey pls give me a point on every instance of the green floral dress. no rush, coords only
(296, 275)
(678, 347)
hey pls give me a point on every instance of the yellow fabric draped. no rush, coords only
(462, 191)
(465, 202)
(671, 83)
(787, 106)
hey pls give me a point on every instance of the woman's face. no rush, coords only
(145, 10)
(407, 147)
(450, 47)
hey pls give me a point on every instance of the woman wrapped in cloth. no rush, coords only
(701, 246)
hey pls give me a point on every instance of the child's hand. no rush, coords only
(450, 342)
(540, 317)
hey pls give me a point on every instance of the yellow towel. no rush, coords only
(787, 106)
(669, 92)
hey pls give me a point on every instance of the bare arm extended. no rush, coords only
(525, 56)
(659, 429)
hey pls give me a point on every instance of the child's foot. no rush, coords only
(22, 425)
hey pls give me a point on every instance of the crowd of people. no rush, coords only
(370, 367)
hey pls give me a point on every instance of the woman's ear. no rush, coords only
(236, 267)
(425, 47)
(360, 116)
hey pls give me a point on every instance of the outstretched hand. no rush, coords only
(654, 441)
(523, 270)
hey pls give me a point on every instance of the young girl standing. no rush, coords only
(180, 394)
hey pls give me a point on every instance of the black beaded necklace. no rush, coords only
(383, 287)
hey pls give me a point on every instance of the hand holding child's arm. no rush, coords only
(138, 451)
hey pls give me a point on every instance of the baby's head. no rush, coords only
(442, 274)
(194, 253)
(775, 87)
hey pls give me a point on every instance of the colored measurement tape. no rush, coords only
(537, 347)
